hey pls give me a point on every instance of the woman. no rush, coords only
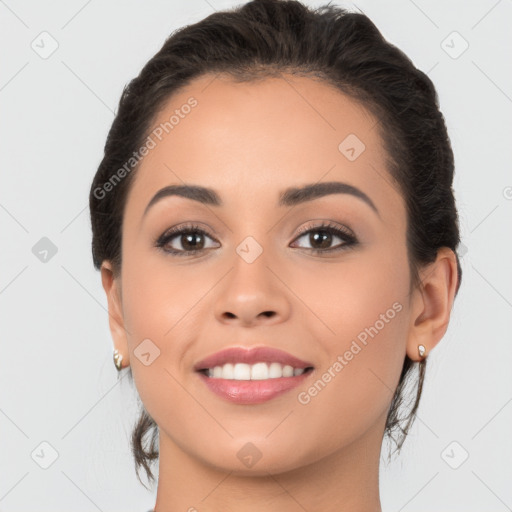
(276, 231)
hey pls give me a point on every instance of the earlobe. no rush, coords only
(432, 305)
(115, 314)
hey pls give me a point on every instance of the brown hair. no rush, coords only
(264, 38)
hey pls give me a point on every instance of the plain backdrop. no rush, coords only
(65, 420)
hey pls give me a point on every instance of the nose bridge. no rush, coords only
(251, 291)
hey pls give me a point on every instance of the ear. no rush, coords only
(432, 303)
(112, 288)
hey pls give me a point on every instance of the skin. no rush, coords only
(249, 141)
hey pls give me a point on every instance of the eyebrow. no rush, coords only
(289, 197)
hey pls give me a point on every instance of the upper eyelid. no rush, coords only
(327, 225)
(176, 230)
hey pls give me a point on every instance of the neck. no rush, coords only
(346, 480)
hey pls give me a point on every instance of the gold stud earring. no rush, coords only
(421, 350)
(118, 360)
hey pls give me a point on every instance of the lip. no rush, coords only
(253, 355)
(252, 392)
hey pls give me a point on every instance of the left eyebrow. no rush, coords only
(294, 196)
(289, 197)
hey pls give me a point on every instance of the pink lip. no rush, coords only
(250, 356)
(252, 391)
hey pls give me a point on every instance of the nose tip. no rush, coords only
(252, 296)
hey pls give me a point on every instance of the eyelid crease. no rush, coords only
(302, 230)
(182, 228)
(327, 224)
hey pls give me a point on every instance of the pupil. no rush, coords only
(327, 237)
(189, 241)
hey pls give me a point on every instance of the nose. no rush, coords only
(252, 294)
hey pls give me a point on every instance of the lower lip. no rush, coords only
(245, 392)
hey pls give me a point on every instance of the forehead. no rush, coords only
(250, 140)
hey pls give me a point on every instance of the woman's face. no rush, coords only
(255, 280)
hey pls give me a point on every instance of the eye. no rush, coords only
(184, 240)
(321, 238)
(191, 239)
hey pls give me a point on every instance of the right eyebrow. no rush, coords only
(195, 192)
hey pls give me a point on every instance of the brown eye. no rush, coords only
(191, 241)
(184, 241)
(321, 238)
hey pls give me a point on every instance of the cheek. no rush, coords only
(156, 293)
(151, 306)
(361, 328)
(344, 300)
(157, 307)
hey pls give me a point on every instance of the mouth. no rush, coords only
(252, 376)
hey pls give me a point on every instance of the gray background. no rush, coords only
(57, 381)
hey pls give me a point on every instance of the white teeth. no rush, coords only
(242, 372)
(287, 371)
(257, 371)
(275, 370)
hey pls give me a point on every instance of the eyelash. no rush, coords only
(349, 239)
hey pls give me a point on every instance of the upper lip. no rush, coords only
(250, 356)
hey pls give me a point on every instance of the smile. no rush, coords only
(258, 371)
